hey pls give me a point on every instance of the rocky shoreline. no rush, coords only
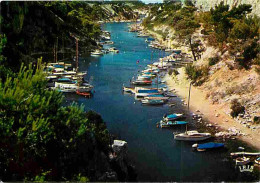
(219, 117)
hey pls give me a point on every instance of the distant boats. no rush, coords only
(192, 136)
(71, 87)
(207, 146)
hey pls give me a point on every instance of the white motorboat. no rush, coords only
(114, 50)
(192, 136)
(96, 53)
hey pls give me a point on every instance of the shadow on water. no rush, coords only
(153, 151)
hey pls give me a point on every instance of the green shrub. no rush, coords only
(236, 108)
(192, 72)
(256, 119)
(197, 73)
(213, 60)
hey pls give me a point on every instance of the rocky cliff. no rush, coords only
(205, 5)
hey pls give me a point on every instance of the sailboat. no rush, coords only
(81, 90)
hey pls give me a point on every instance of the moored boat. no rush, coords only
(173, 116)
(206, 146)
(165, 124)
(85, 94)
(146, 92)
(142, 78)
(141, 82)
(114, 50)
(69, 88)
(128, 89)
(257, 161)
(153, 102)
(96, 53)
(192, 136)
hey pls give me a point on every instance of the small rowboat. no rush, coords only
(206, 146)
(85, 94)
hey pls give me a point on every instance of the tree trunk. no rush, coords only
(192, 50)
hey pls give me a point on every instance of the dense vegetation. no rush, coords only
(230, 30)
(235, 31)
(41, 27)
(41, 139)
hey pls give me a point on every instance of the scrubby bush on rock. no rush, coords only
(236, 108)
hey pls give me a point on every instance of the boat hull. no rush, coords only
(191, 138)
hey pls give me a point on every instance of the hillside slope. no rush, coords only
(206, 5)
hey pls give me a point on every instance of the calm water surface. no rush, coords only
(153, 151)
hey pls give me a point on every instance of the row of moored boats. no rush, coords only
(64, 78)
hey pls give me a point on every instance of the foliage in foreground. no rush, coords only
(41, 139)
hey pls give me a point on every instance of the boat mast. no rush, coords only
(57, 50)
(77, 57)
(77, 54)
(188, 103)
(77, 51)
(189, 97)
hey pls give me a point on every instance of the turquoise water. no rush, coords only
(153, 151)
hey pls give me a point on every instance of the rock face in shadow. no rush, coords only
(119, 168)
